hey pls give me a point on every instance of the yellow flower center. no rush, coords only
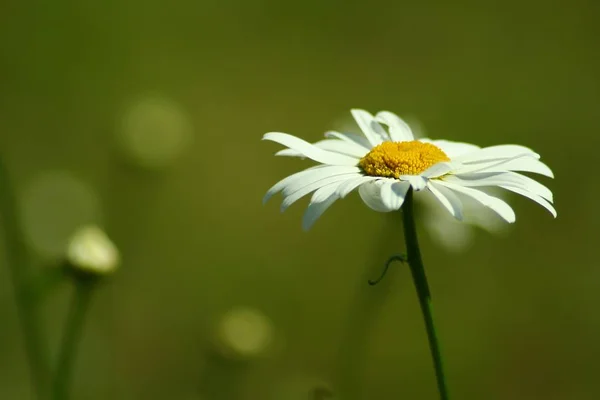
(392, 159)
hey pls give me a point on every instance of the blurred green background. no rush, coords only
(145, 117)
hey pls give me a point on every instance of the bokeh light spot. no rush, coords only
(154, 131)
(54, 205)
(245, 332)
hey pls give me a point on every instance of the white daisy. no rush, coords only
(385, 163)
(452, 234)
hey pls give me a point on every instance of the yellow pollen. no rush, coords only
(392, 159)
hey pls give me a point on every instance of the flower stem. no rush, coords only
(420, 280)
(84, 288)
(19, 269)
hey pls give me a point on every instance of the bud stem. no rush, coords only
(83, 291)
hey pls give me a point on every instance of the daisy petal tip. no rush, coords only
(509, 216)
(359, 114)
(289, 153)
(273, 135)
(307, 223)
(270, 193)
(270, 137)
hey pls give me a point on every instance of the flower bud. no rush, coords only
(91, 251)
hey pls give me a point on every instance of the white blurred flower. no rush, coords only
(91, 251)
(455, 235)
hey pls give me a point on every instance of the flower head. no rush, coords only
(386, 161)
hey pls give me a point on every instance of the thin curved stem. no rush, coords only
(398, 257)
(420, 280)
(19, 269)
(80, 302)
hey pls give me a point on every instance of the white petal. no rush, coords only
(371, 128)
(324, 192)
(291, 153)
(393, 194)
(309, 150)
(525, 164)
(497, 165)
(346, 187)
(439, 169)
(447, 198)
(538, 199)
(370, 193)
(300, 184)
(418, 182)
(291, 196)
(350, 137)
(333, 145)
(452, 149)
(494, 203)
(291, 179)
(315, 210)
(339, 146)
(399, 130)
(533, 186)
(492, 153)
(510, 179)
(309, 175)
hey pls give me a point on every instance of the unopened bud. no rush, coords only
(91, 251)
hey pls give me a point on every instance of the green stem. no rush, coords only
(84, 288)
(420, 280)
(19, 269)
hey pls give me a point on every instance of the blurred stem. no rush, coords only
(422, 287)
(84, 288)
(19, 269)
(46, 283)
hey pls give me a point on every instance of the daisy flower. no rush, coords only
(386, 161)
(443, 228)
